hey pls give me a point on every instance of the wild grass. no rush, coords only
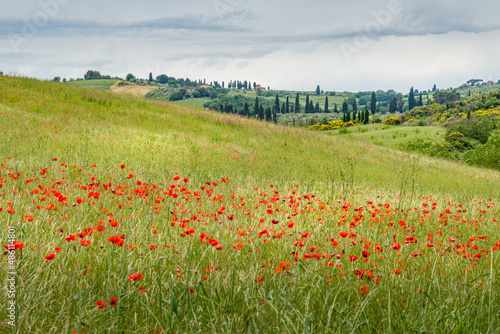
(274, 198)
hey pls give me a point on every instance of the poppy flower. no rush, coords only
(113, 301)
(153, 247)
(122, 166)
(50, 257)
(101, 304)
(135, 277)
(396, 246)
(344, 234)
(116, 240)
(85, 242)
(57, 249)
(353, 258)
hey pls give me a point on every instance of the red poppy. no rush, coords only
(396, 246)
(153, 247)
(135, 277)
(113, 301)
(85, 242)
(122, 166)
(101, 304)
(116, 240)
(353, 258)
(50, 257)
(344, 234)
(57, 249)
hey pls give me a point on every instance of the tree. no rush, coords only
(287, 106)
(283, 108)
(150, 76)
(318, 91)
(297, 103)
(373, 103)
(443, 97)
(366, 118)
(246, 110)
(256, 109)
(326, 105)
(57, 79)
(434, 88)
(268, 114)
(411, 100)
(307, 104)
(335, 110)
(275, 116)
(92, 75)
(130, 76)
(354, 108)
(277, 103)
(162, 78)
(261, 112)
(392, 106)
(316, 108)
(345, 111)
(420, 102)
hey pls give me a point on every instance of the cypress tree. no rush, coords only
(283, 108)
(297, 103)
(316, 108)
(261, 112)
(326, 105)
(275, 116)
(287, 106)
(354, 110)
(150, 76)
(246, 110)
(277, 103)
(335, 110)
(268, 114)
(307, 104)
(256, 108)
(366, 118)
(311, 106)
(318, 91)
(420, 102)
(401, 103)
(373, 103)
(345, 111)
(411, 100)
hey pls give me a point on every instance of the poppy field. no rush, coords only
(133, 216)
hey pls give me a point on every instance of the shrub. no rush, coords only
(392, 121)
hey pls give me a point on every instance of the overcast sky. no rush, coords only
(295, 45)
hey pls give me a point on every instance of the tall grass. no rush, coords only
(231, 178)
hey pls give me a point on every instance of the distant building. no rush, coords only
(489, 83)
(205, 86)
(259, 87)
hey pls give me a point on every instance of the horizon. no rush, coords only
(365, 46)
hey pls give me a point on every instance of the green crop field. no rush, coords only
(391, 136)
(98, 84)
(125, 215)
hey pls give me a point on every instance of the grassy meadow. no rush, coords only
(136, 216)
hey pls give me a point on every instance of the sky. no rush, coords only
(361, 45)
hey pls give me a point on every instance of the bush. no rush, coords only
(392, 121)
(487, 155)
(376, 119)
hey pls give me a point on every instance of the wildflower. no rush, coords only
(135, 277)
(101, 304)
(116, 240)
(113, 301)
(50, 257)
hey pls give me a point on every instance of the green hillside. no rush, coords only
(97, 83)
(132, 215)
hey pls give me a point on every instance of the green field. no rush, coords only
(391, 136)
(97, 84)
(135, 216)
